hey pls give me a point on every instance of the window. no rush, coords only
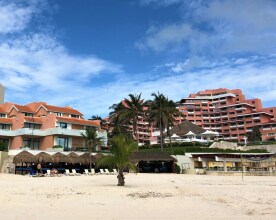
(75, 116)
(2, 115)
(4, 127)
(5, 142)
(63, 125)
(28, 114)
(31, 125)
(32, 143)
(64, 142)
(58, 113)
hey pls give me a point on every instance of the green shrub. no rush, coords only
(57, 146)
(177, 169)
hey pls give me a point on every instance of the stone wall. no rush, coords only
(8, 165)
(270, 148)
(224, 145)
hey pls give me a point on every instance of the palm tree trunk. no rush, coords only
(121, 178)
(161, 138)
(169, 134)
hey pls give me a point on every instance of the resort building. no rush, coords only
(229, 113)
(40, 126)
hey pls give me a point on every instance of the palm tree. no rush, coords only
(91, 140)
(162, 113)
(173, 114)
(128, 111)
(120, 151)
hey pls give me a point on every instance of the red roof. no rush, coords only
(79, 121)
(23, 108)
(67, 109)
(5, 121)
(36, 120)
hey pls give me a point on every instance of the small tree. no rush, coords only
(120, 151)
(91, 140)
(254, 135)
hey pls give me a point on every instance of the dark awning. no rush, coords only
(151, 156)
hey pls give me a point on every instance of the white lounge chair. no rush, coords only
(93, 171)
(107, 171)
(68, 173)
(86, 172)
(102, 171)
(74, 172)
(48, 173)
(114, 172)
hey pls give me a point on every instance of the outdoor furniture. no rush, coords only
(86, 172)
(48, 173)
(107, 171)
(93, 171)
(114, 172)
(74, 172)
(102, 171)
(68, 173)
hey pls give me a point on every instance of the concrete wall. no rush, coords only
(186, 163)
(3, 156)
(269, 148)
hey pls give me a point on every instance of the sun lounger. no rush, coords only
(102, 171)
(68, 173)
(48, 173)
(86, 172)
(114, 172)
(107, 171)
(74, 172)
(93, 171)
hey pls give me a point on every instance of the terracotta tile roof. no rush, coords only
(79, 121)
(23, 108)
(33, 120)
(5, 121)
(67, 110)
(2, 110)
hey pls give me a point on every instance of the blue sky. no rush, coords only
(90, 54)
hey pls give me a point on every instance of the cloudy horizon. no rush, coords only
(92, 55)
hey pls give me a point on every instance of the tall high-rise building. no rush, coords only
(229, 113)
(2, 93)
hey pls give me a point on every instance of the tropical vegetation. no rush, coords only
(120, 150)
(91, 140)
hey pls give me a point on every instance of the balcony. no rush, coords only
(191, 113)
(240, 108)
(232, 126)
(240, 125)
(256, 118)
(7, 133)
(267, 129)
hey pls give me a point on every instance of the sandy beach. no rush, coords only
(145, 196)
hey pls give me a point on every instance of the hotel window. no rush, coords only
(32, 143)
(75, 116)
(4, 142)
(28, 114)
(271, 134)
(31, 125)
(63, 125)
(4, 127)
(64, 142)
(58, 114)
(2, 115)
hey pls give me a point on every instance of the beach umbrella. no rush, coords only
(86, 158)
(60, 158)
(24, 156)
(43, 157)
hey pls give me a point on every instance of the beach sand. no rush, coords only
(145, 196)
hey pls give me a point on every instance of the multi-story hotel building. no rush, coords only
(40, 126)
(229, 113)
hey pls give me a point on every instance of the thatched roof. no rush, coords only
(43, 157)
(151, 156)
(24, 156)
(60, 158)
(185, 127)
(86, 158)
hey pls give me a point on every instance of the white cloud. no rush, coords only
(216, 28)
(15, 17)
(160, 39)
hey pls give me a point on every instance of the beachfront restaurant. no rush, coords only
(26, 161)
(232, 163)
(153, 162)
